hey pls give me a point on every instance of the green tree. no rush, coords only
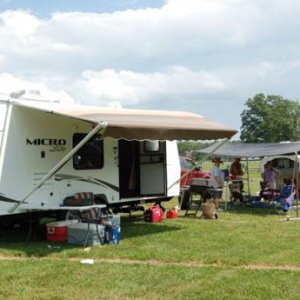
(270, 119)
(188, 148)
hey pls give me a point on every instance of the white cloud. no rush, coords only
(192, 50)
(10, 84)
(20, 24)
(131, 88)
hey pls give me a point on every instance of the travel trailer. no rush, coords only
(50, 151)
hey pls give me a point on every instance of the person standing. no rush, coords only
(270, 176)
(236, 171)
(218, 177)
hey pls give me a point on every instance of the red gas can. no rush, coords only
(171, 214)
(153, 214)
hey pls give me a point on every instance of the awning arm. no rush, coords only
(101, 126)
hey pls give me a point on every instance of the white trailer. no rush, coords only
(50, 151)
(288, 165)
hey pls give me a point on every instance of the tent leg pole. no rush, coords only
(297, 182)
(248, 178)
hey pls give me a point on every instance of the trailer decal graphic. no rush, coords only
(56, 145)
(97, 181)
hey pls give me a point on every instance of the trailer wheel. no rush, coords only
(186, 199)
(72, 215)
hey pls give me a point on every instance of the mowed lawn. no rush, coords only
(245, 254)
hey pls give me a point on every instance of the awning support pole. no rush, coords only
(296, 169)
(248, 177)
(101, 126)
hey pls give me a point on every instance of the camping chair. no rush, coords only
(236, 190)
(286, 197)
(267, 193)
(88, 212)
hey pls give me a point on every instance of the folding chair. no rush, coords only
(286, 197)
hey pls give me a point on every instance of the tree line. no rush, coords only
(270, 119)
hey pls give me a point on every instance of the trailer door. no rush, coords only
(152, 168)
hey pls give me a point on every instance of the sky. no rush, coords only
(201, 56)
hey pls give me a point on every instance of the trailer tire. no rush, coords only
(72, 215)
(186, 199)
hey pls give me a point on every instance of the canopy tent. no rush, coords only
(251, 150)
(141, 124)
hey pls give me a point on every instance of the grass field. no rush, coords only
(245, 254)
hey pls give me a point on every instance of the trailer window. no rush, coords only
(283, 163)
(151, 146)
(90, 155)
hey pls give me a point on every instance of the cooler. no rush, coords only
(58, 231)
(86, 234)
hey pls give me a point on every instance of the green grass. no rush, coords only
(70, 280)
(245, 254)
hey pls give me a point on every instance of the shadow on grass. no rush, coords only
(132, 229)
(257, 211)
(22, 233)
(15, 239)
(19, 241)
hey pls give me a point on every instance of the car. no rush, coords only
(189, 170)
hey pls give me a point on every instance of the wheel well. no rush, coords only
(100, 199)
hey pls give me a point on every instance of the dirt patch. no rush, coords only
(294, 268)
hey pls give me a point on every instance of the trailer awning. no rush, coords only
(143, 124)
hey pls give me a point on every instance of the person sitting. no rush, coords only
(270, 177)
(287, 194)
